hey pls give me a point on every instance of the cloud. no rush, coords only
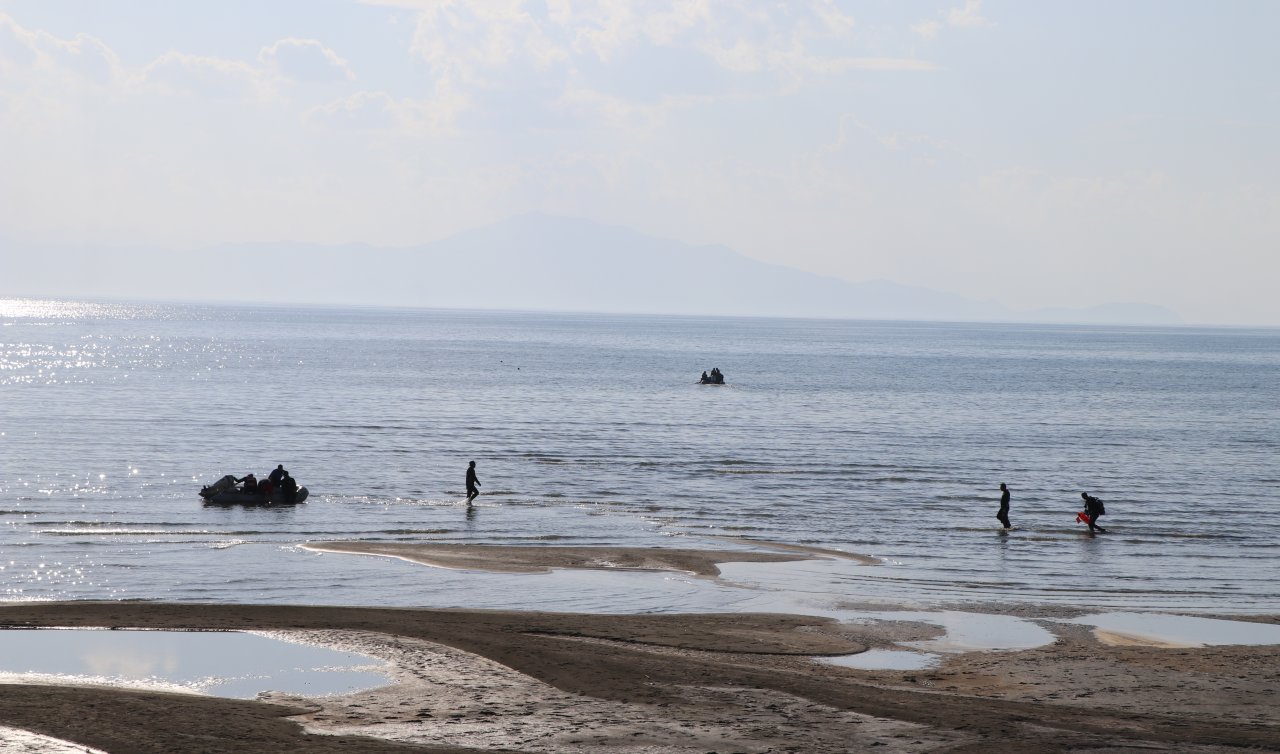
(623, 56)
(178, 73)
(85, 57)
(626, 115)
(45, 64)
(476, 42)
(840, 65)
(305, 60)
(373, 110)
(467, 42)
(967, 16)
(927, 29)
(380, 110)
(405, 4)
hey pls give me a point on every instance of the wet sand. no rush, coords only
(511, 559)
(641, 684)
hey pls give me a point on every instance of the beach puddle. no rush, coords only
(1160, 630)
(885, 659)
(971, 632)
(219, 663)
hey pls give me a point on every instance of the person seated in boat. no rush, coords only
(265, 487)
(278, 474)
(290, 488)
(250, 483)
(704, 379)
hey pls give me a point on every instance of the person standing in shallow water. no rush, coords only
(473, 483)
(1003, 515)
(1092, 509)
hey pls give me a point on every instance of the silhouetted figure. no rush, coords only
(250, 483)
(705, 379)
(1003, 515)
(473, 483)
(289, 488)
(277, 475)
(1092, 509)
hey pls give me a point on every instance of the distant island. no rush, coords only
(531, 262)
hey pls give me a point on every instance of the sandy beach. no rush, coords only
(631, 684)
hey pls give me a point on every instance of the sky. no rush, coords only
(1038, 154)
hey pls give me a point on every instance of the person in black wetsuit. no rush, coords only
(1092, 509)
(275, 476)
(473, 483)
(1003, 515)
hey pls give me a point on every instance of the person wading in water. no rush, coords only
(1003, 515)
(473, 484)
(1092, 509)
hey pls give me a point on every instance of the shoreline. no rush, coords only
(467, 680)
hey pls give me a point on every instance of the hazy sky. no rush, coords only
(1035, 153)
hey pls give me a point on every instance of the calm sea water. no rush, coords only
(885, 439)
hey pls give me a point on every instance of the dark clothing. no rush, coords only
(1092, 509)
(472, 484)
(1003, 515)
(289, 488)
(275, 476)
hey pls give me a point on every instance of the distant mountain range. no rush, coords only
(532, 262)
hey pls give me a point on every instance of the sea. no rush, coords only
(879, 439)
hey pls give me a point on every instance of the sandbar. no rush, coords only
(521, 559)
(500, 681)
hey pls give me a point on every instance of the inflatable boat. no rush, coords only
(225, 492)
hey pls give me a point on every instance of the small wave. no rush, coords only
(90, 531)
(1203, 535)
(227, 545)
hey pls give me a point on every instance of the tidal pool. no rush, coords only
(219, 663)
(1178, 630)
(885, 659)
